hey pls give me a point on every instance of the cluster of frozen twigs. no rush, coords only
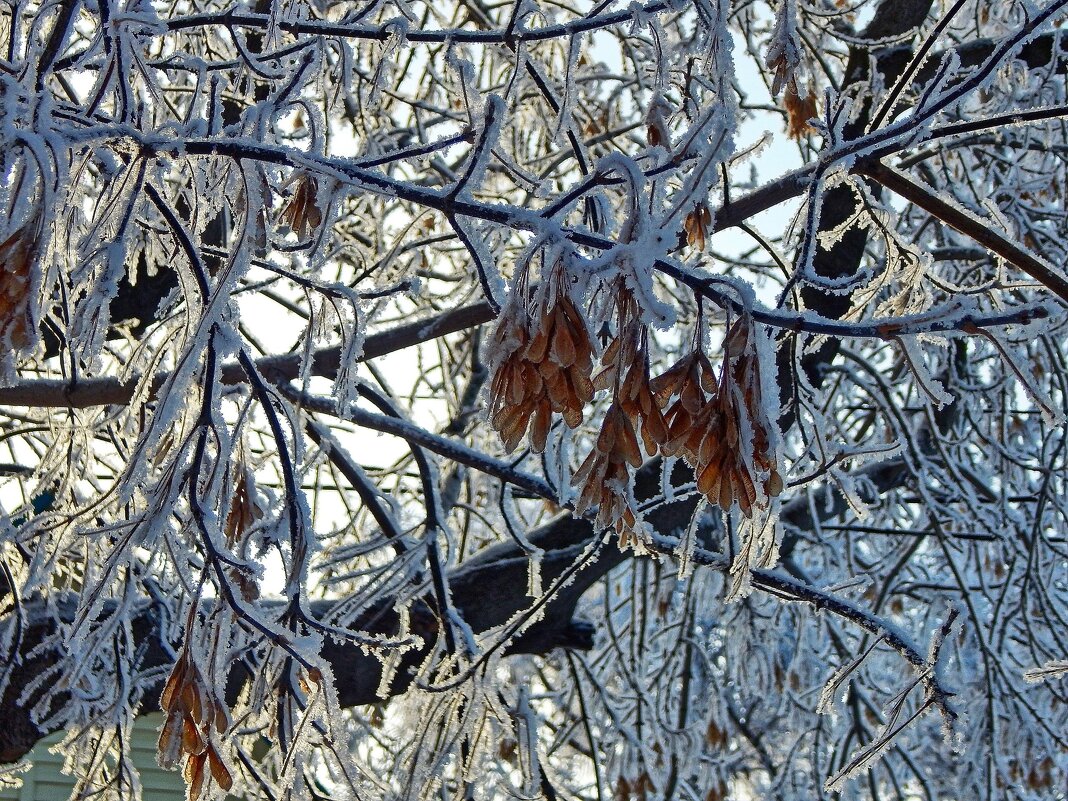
(456, 399)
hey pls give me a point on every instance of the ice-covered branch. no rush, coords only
(342, 30)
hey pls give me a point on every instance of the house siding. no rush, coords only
(46, 782)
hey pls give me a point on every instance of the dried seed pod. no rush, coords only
(18, 253)
(301, 213)
(697, 224)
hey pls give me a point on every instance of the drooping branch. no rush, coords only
(325, 362)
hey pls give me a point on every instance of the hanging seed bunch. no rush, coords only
(625, 372)
(561, 348)
(604, 477)
(192, 710)
(784, 49)
(759, 458)
(697, 225)
(690, 381)
(544, 360)
(17, 255)
(720, 427)
(784, 58)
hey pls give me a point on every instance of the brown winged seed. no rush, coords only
(696, 225)
(301, 212)
(604, 479)
(17, 255)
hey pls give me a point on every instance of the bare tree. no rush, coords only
(555, 400)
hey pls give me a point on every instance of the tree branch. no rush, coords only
(46, 392)
(967, 224)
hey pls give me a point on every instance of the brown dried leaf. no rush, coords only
(799, 110)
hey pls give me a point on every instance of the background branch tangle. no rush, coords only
(770, 498)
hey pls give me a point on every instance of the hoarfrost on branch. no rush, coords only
(565, 400)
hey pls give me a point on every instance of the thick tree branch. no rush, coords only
(488, 591)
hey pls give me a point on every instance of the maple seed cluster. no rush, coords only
(639, 789)
(705, 423)
(546, 363)
(245, 511)
(785, 61)
(717, 425)
(604, 477)
(192, 710)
